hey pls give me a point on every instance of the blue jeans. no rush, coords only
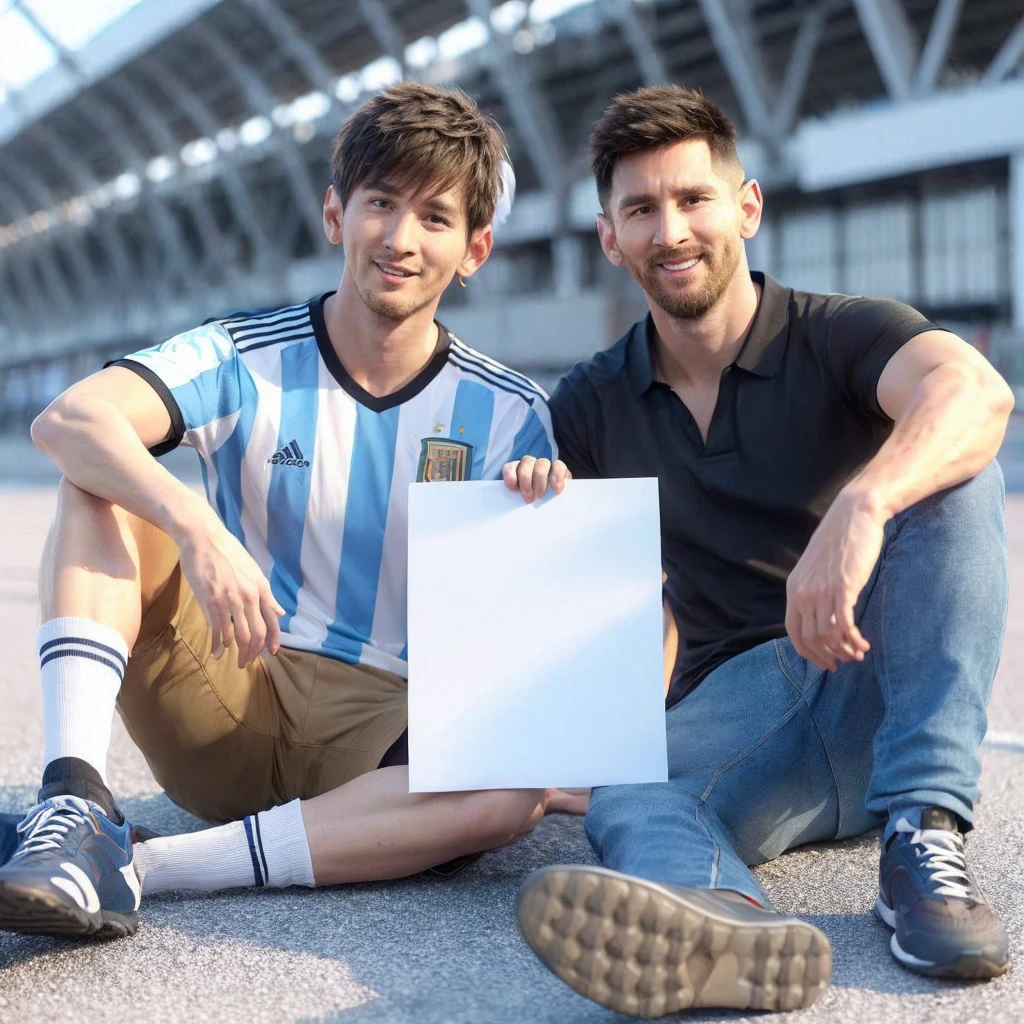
(769, 751)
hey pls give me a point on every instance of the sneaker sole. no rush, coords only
(37, 912)
(638, 948)
(969, 966)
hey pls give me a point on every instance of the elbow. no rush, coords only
(53, 425)
(46, 427)
(1001, 400)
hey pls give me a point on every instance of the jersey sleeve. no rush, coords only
(861, 335)
(535, 436)
(196, 375)
(571, 431)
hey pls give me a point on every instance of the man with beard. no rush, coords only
(835, 584)
(255, 646)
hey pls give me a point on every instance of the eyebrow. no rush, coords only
(434, 204)
(382, 186)
(642, 198)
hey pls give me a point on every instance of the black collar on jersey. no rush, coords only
(360, 394)
(760, 355)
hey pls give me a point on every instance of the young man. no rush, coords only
(832, 530)
(255, 646)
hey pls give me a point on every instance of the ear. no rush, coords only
(481, 242)
(751, 207)
(334, 213)
(606, 233)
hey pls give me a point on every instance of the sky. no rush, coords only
(26, 53)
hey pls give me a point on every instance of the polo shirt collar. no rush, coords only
(760, 355)
(766, 341)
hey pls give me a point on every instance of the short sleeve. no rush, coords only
(535, 437)
(196, 374)
(571, 431)
(861, 335)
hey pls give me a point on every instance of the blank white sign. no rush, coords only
(535, 637)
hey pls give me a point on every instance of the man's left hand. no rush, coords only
(531, 477)
(826, 582)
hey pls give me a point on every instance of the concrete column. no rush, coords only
(1016, 243)
(568, 254)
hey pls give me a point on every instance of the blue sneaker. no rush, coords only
(8, 835)
(71, 873)
(943, 925)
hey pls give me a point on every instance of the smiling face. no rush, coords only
(676, 218)
(403, 245)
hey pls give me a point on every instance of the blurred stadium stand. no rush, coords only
(170, 166)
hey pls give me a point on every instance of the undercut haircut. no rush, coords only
(424, 137)
(659, 116)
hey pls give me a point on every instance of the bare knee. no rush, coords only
(100, 559)
(498, 816)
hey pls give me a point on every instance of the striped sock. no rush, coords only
(82, 664)
(265, 849)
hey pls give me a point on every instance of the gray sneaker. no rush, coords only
(942, 924)
(650, 949)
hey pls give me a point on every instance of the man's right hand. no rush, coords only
(232, 591)
(531, 477)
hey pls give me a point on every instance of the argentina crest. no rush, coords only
(442, 459)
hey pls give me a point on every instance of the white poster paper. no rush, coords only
(535, 636)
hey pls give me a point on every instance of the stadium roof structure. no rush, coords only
(213, 116)
(545, 77)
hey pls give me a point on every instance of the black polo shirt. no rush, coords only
(797, 417)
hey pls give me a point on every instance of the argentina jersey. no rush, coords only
(311, 472)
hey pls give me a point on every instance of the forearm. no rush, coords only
(97, 449)
(950, 430)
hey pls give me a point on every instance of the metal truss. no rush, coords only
(646, 53)
(122, 268)
(530, 111)
(164, 221)
(936, 48)
(729, 25)
(29, 306)
(305, 55)
(892, 41)
(385, 30)
(236, 187)
(152, 123)
(69, 239)
(769, 112)
(306, 197)
(1008, 57)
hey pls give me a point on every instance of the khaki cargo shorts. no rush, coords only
(225, 742)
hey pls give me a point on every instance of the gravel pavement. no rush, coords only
(427, 951)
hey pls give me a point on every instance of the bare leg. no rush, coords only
(102, 563)
(567, 801)
(373, 828)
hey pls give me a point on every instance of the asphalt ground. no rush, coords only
(428, 951)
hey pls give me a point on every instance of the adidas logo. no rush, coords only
(289, 455)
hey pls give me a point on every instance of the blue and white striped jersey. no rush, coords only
(311, 472)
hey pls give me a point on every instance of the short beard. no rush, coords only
(397, 314)
(691, 303)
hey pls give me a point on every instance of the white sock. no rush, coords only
(82, 664)
(268, 848)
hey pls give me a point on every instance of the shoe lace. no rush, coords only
(943, 854)
(49, 822)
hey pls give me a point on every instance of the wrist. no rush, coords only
(184, 521)
(873, 502)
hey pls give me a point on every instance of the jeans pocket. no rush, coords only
(803, 675)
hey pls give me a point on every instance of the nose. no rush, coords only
(673, 227)
(399, 237)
